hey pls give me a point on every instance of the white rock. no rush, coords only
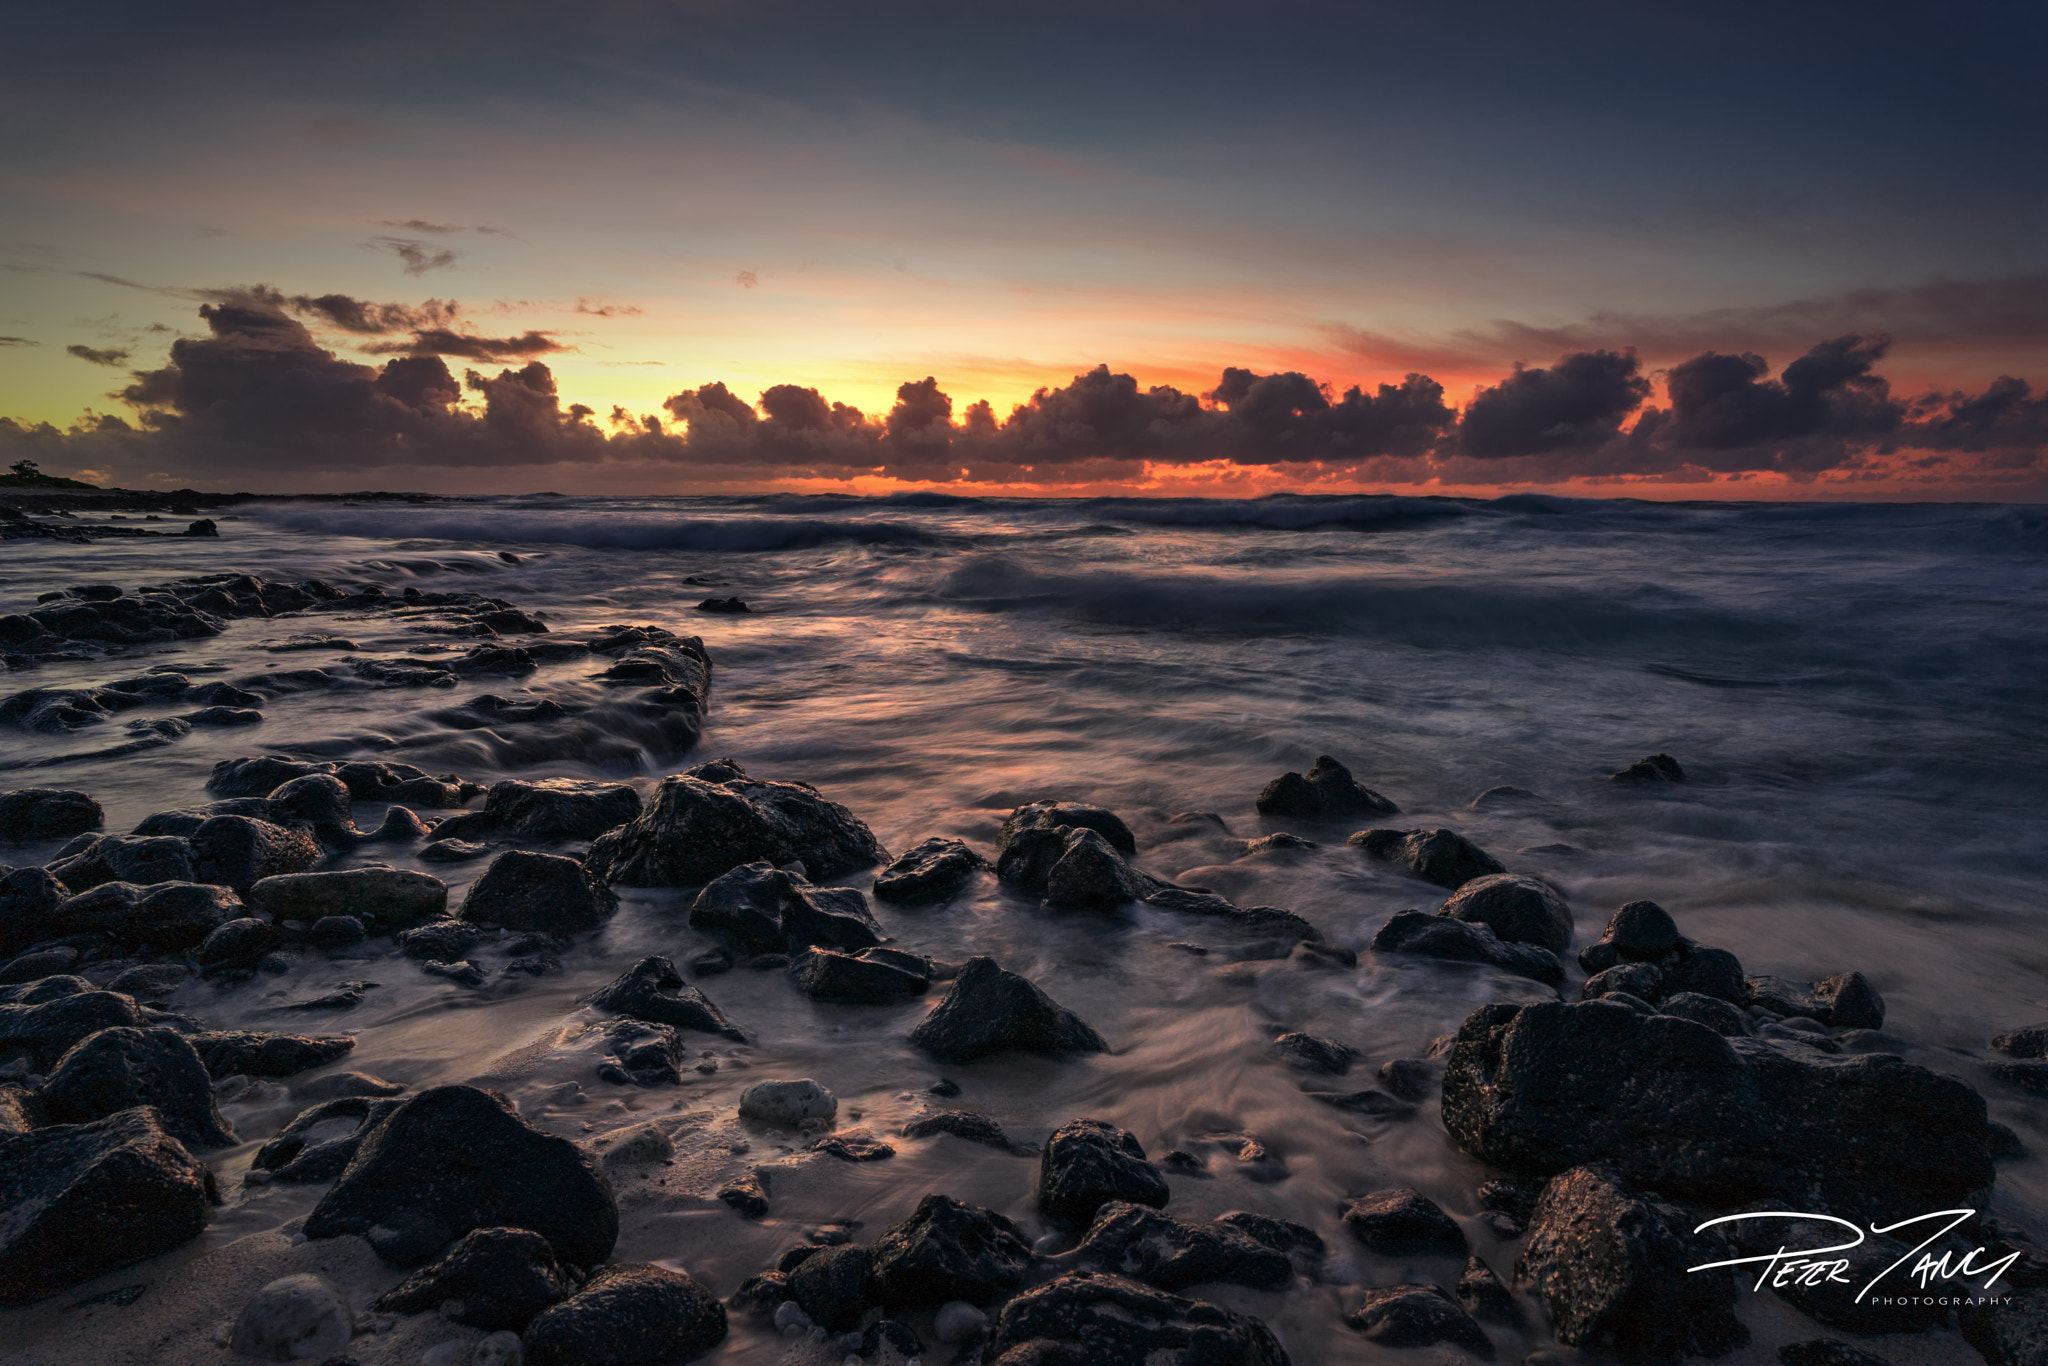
(789, 1314)
(640, 1144)
(787, 1104)
(294, 1318)
(959, 1321)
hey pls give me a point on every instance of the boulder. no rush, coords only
(833, 1286)
(1090, 875)
(47, 1017)
(1307, 1053)
(1088, 1164)
(2013, 1333)
(1113, 1321)
(546, 809)
(528, 891)
(439, 941)
(745, 904)
(47, 813)
(237, 943)
(502, 1276)
(963, 1124)
(456, 1158)
(1717, 1015)
(320, 800)
(30, 899)
(1145, 1245)
(988, 1010)
(834, 917)
(1843, 1001)
(928, 873)
(1404, 1223)
(1519, 910)
(692, 830)
(164, 918)
(1654, 768)
(2031, 1041)
(293, 1318)
(645, 1054)
(1327, 792)
(241, 1052)
(1678, 1109)
(1642, 932)
(1459, 941)
(259, 777)
(1444, 857)
(240, 851)
(142, 859)
(309, 1148)
(947, 1250)
(652, 990)
(1644, 981)
(628, 1314)
(787, 1104)
(118, 1069)
(84, 1199)
(1418, 1316)
(1285, 926)
(856, 979)
(1611, 1267)
(376, 894)
(1035, 836)
(1484, 1296)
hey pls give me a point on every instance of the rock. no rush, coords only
(1826, 1303)
(1418, 1316)
(1130, 1240)
(223, 716)
(30, 967)
(640, 1145)
(1090, 875)
(1656, 768)
(337, 932)
(29, 902)
(47, 813)
(767, 909)
(833, 917)
(1681, 1110)
(502, 1276)
(1260, 920)
(959, 1322)
(961, 1124)
(48, 1016)
(389, 898)
(747, 1194)
(1484, 1297)
(84, 1199)
(547, 809)
(456, 1158)
(1307, 1053)
(1459, 941)
(205, 526)
(1519, 910)
(1829, 1352)
(1370, 1103)
(141, 859)
(1644, 981)
(692, 830)
(832, 1286)
(1113, 1321)
(787, 1104)
(236, 943)
(628, 1314)
(1611, 1267)
(241, 851)
(723, 605)
(120, 1068)
(2029, 1042)
(2009, 1334)
(1444, 857)
(163, 918)
(1402, 1223)
(826, 975)
(1843, 1001)
(987, 1010)
(1087, 1164)
(320, 800)
(1409, 1079)
(1717, 1015)
(229, 1052)
(1327, 792)
(947, 1250)
(1642, 932)
(322, 1139)
(527, 891)
(928, 873)
(293, 1318)
(439, 941)
(652, 990)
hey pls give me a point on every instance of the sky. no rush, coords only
(1678, 251)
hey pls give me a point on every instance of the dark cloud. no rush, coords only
(1576, 404)
(419, 258)
(18, 341)
(2006, 416)
(1723, 402)
(439, 341)
(95, 356)
(368, 319)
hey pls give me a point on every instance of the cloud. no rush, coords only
(95, 356)
(368, 319)
(419, 225)
(1576, 404)
(18, 341)
(419, 258)
(1723, 402)
(608, 310)
(746, 279)
(439, 341)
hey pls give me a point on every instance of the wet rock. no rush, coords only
(628, 1314)
(45, 1018)
(1484, 1296)
(546, 809)
(1370, 1103)
(1409, 1079)
(928, 873)
(833, 1287)
(647, 1054)
(293, 1318)
(240, 851)
(693, 830)
(29, 902)
(826, 975)
(528, 891)
(321, 1140)
(2003, 1144)
(1087, 1164)
(120, 1068)
(947, 1250)
(1681, 1110)
(1717, 1015)
(787, 1104)
(258, 777)
(1307, 1053)
(855, 1145)
(164, 918)
(1418, 1316)
(961, 1124)
(988, 1010)
(1644, 981)
(959, 1322)
(440, 941)
(652, 990)
(831, 917)
(2011, 1334)
(2028, 1042)
(47, 813)
(347, 1085)
(231, 1052)
(1444, 857)
(139, 859)
(1655, 768)
(1404, 1223)
(1611, 1267)
(389, 898)
(1090, 875)
(1459, 941)
(1519, 910)
(337, 932)
(1145, 1245)
(747, 1194)
(727, 606)
(30, 967)
(1642, 932)
(746, 905)
(83, 1199)
(502, 1276)
(236, 944)
(320, 800)
(402, 825)
(1830, 1352)
(1285, 926)
(223, 716)
(1113, 1321)
(639, 1146)
(1326, 792)
(1843, 1001)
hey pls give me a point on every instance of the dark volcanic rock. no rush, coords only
(1284, 926)
(1717, 1015)
(652, 990)
(240, 851)
(961, 1124)
(1327, 792)
(629, 1314)
(236, 944)
(1418, 1316)
(1459, 941)
(1843, 1001)
(503, 1276)
(47, 1017)
(389, 898)
(1444, 857)
(1084, 1319)
(746, 904)
(527, 891)
(1611, 1267)
(988, 1010)
(83, 1199)
(1681, 1110)
(947, 1250)
(1090, 875)
(693, 830)
(1131, 1240)
(930, 872)
(1656, 768)
(1087, 1164)
(121, 1068)
(1831, 1352)
(833, 1286)
(258, 777)
(456, 1158)
(826, 975)
(163, 918)
(1644, 981)
(320, 800)
(127, 858)
(830, 917)
(2012, 1334)
(295, 1156)
(1311, 1054)
(2028, 1042)
(1484, 1296)
(647, 1054)
(1520, 910)
(1036, 837)
(1642, 932)
(546, 809)
(29, 902)
(439, 941)
(1403, 1223)
(47, 813)
(232, 1052)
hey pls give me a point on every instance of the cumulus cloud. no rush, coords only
(439, 341)
(93, 355)
(1723, 402)
(371, 319)
(1577, 404)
